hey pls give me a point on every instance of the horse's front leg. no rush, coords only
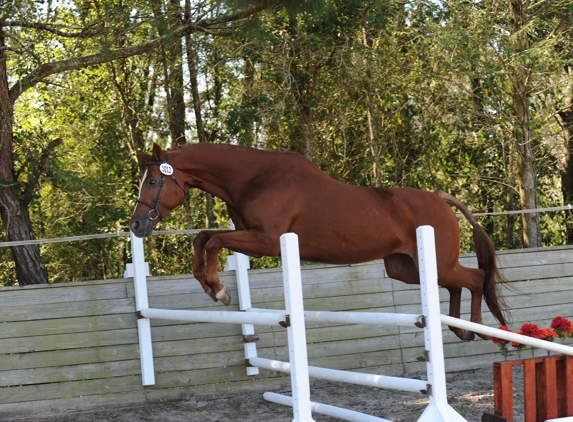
(199, 267)
(254, 243)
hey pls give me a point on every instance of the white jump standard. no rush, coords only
(293, 317)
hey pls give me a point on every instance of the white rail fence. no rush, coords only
(293, 318)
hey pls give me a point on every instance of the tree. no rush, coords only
(21, 26)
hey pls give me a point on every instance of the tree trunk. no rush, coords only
(302, 90)
(172, 54)
(14, 212)
(567, 119)
(248, 137)
(510, 197)
(522, 130)
(192, 65)
(526, 165)
(175, 83)
(306, 126)
(372, 121)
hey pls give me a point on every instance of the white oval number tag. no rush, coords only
(166, 169)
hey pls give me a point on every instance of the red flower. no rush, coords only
(560, 323)
(563, 327)
(531, 330)
(548, 334)
(560, 327)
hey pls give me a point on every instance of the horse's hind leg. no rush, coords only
(473, 280)
(402, 267)
(455, 311)
(478, 280)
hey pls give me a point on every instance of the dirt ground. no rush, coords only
(469, 393)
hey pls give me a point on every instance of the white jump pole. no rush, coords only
(296, 331)
(325, 409)
(506, 335)
(220, 317)
(366, 318)
(369, 380)
(438, 410)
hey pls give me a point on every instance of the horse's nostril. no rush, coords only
(135, 226)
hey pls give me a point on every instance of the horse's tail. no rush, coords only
(487, 261)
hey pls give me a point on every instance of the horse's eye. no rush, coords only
(151, 181)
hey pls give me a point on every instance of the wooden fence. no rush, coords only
(73, 346)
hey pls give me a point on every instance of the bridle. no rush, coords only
(166, 170)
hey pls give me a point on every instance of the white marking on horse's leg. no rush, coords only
(221, 294)
(224, 295)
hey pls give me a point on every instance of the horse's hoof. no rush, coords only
(212, 296)
(470, 335)
(224, 295)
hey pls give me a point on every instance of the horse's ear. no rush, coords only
(145, 157)
(157, 152)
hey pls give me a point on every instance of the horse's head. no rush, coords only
(159, 193)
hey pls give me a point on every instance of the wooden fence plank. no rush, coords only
(63, 374)
(42, 409)
(266, 297)
(63, 293)
(49, 327)
(68, 341)
(91, 389)
(78, 356)
(69, 310)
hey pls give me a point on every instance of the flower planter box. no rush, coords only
(547, 387)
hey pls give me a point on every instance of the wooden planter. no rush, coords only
(547, 386)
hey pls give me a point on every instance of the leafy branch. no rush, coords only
(52, 68)
(39, 170)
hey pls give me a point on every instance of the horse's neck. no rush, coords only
(212, 169)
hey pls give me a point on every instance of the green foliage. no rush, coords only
(380, 93)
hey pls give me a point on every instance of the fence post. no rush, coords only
(139, 269)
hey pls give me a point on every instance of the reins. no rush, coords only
(166, 170)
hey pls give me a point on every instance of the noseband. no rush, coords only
(165, 169)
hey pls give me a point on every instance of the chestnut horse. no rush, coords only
(271, 193)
